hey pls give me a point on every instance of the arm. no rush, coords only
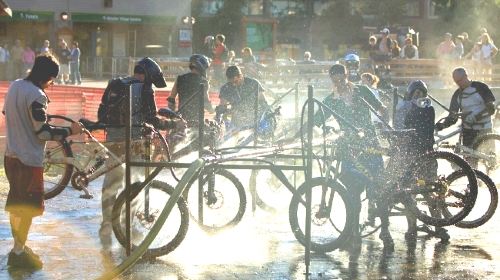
(43, 130)
(173, 95)
(102, 111)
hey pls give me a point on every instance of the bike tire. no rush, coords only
(493, 193)
(56, 173)
(219, 216)
(429, 201)
(326, 235)
(162, 191)
(488, 144)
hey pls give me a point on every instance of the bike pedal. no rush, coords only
(86, 196)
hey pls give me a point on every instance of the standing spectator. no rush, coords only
(475, 100)
(208, 46)
(25, 111)
(28, 58)
(16, 54)
(63, 53)
(249, 63)
(247, 55)
(231, 57)
(308, 59)
(482, 31)
(459, 47)
(475, 56)
(409, 50)
(396, 50)
(488, 52)
(371, 81)
(385, 45)
(446, 49)
(218, 61)
(74, 64)
(468, 44)
(3, 63)
(45, 49)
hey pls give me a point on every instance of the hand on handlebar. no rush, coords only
(76, 128)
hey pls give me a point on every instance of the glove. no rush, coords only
(470, 118)
(439, 126)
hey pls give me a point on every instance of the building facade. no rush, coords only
(104, 28)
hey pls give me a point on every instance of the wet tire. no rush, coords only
(143, 216)
(483, 181)
(56, 173)
(427, 195)
(221, 209)
(330, 230)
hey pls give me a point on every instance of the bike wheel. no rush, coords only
(487, 198)
(56, 169)
(223, 200)
(427, 194)
(144, 212)
(488, 159)
(330, 228)
(268, 192)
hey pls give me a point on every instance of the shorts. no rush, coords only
(25, 196)
(63, 69)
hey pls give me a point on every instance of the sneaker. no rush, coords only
(27, 260)
(387, 240)
(442, 234)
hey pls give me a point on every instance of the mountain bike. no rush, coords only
(424, 194)
(84, 161)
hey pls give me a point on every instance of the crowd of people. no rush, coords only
(241, 95)
(18, 60)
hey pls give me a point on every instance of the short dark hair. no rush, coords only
(233, 71)
(45, 67)
(337, 69)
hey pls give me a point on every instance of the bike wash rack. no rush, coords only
(194, 170)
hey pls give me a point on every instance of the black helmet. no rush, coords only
(153, 72)
(200, 63)
(414, 85)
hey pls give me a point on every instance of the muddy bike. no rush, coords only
(84, 161)
(423, 193)
(221, 201)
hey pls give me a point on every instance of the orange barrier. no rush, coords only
(79, 102)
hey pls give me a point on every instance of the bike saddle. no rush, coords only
(91, 125)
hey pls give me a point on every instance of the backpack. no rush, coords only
(113, 107)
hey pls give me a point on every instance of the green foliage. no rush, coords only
(343, 23)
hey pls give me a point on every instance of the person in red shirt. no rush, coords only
(218, 62)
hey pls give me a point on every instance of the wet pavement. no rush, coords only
(262, 246)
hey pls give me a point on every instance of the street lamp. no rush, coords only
(188, 20)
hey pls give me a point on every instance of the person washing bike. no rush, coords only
(112, 110)
(476, 102)
(25, 111)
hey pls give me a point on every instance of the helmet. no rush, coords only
(200, 63)
(414, 85)
(153, 72)
(352, 61)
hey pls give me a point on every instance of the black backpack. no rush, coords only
(112, 109)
